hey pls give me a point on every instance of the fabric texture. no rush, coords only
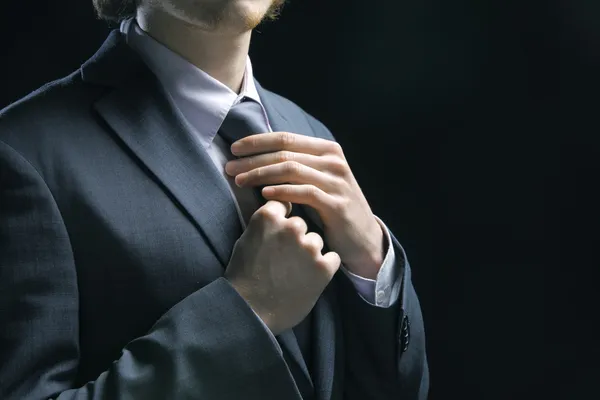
(115, 230)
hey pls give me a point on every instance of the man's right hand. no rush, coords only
(278, 268)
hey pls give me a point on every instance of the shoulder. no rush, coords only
(291, 108)
(53, 100)
(48, 112)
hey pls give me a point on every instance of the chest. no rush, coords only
(136, 250)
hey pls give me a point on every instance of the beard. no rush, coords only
(218, 15)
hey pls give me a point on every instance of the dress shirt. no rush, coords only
(202, 103)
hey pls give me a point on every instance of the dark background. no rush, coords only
(472, 126)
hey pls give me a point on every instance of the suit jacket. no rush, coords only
(115, 231)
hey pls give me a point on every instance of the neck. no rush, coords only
(222, 55)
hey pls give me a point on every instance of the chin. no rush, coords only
(246, 14)
(222, 15)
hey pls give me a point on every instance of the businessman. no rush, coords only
(169, 229)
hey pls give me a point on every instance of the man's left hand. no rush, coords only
(314, 172)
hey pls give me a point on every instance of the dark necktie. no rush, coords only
(244, 119)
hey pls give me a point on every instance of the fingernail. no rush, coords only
(268, 191)
(240, 179)
(230, 168)
(236, 147)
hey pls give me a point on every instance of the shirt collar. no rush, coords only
(202, 101)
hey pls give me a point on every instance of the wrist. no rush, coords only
(365, 269)
(368, 264)
(264, 316)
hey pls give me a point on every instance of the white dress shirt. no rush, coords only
(202, 103)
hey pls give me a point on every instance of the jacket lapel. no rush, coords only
(323, 329)
(138, 112)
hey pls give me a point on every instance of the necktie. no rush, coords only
(244, 119)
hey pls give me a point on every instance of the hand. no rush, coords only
(314, 172)
(278, 268)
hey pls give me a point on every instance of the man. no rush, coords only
(138, 259)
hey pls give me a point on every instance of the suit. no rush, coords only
(114, 236)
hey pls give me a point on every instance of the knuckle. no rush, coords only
(283, 156)
(312, 192)
(339, 184)
(265, 214)
(313, 243)
(296, 225)
(292, 167)
(325, 264)
(335, 148)
(286, 139)
(340, 205)
(338, 165)
(253, 142)
(286, 190)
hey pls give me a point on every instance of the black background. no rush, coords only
(472, 126)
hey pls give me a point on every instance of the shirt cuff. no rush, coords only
(384, 291)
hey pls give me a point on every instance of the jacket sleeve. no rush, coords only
(209, 335)
(379, 363)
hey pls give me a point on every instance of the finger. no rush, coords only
(301, 194)
(314, 242)
(298, 225)
(276, 141)
(330, 262)
(245, 164)
(289, 172)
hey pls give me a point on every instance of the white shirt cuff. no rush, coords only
(384, 291)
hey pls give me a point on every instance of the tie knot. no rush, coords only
(243, 119)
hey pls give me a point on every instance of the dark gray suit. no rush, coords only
(115, 229)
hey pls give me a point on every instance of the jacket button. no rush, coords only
(405, 334)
